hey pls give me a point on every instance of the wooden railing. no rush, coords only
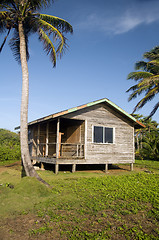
(66, 150)
(74, 150)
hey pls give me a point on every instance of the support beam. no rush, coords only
(38, 141)
(73, 167)
(56, 168)
(47, 139)
(85, 141)
(131, 166)
(57, 138)
(106, 167)
(42, 166)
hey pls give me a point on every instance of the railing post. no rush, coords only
(80, 150)
(57, 138)
(77, 150)
(38, 141)
(47, 139)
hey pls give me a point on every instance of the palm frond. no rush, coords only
(15, 46)
(136, 93)
(139, 75)
(148, 97)
(132, 88)
(155, 62)
(141, 65)
(152, 54)
(1, 47)
(37, 4)
(149, 82)
(58, 23)
(48, 46)
(52, 30)
(154, 110)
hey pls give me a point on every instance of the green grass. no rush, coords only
(84, 205)
(8, 162)
(150, 165)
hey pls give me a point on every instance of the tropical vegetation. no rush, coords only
(147, 78)
(9, 146)
(147, 139)
(21, 18)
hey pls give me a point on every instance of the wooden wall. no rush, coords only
(122, 150)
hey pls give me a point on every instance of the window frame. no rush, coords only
(104, 127)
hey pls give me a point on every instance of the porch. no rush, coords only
(60, 139)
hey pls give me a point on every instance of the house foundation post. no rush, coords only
(106, 167)
(42, 166)
(73, 168)
(56, 168)
(131, 166)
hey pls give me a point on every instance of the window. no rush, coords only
(102, 135)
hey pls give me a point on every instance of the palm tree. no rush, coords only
(147, 139)
(151, 145)
(147, 80)
(22, 18)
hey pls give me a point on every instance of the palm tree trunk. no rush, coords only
(26, 160)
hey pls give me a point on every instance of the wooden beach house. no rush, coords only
(99, 132)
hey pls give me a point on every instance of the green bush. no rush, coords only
(9, 146)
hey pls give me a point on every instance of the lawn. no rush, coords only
(81, 205)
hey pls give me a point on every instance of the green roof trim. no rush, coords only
(96, 102)
(72, 109)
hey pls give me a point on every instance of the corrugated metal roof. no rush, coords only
(104, 100)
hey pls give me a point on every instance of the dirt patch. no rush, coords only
(15, 165)
(30, 227)
(112, 170)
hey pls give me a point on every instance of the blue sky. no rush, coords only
(109, 37)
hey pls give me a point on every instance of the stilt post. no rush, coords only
(73, 167)
(131, 166)
(56, 168)
(42, 166)
(106, 167)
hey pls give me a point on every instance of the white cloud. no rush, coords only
(123, 21)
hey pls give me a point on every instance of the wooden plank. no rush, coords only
(85, 141)
(57, 138)
(106, 167)
(59, 142)
(47, 139)
(56, 168)
(131, 166)
(73, 168)
(38, 141)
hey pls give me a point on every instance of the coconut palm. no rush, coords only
(21, 18)
(150, 148)
(147, 80)
(147, 139)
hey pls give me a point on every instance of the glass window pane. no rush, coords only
(108, 135)
(98, 134)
